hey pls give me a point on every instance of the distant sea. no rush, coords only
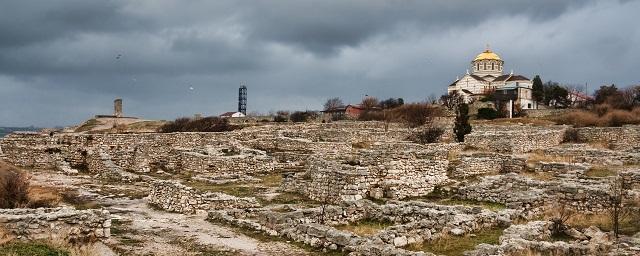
(6, 130)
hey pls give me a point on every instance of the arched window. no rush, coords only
(477, 66)
(485, 66)
(493, 65)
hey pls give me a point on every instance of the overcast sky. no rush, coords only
(63, 61)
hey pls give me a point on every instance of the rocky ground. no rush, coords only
(139, 229)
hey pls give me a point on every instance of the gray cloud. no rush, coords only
(58, 62)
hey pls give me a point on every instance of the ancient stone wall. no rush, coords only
(526, 194)
(619, 138)
(75, 226)
(479, 163)
(175, 197)
(384, 171)
(514, 139)
(583, 153)
(411, 223)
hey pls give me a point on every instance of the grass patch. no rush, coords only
(234, 189)
(628, 226)
(365, 227)
(457, 245)
(289, 198)
(539, 156)
(271, 180)
(486, 205)
(599, 172)
(32, 249)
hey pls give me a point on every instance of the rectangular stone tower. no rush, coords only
(117, 108)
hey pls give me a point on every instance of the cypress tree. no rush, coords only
(462, 125)
(537, 91)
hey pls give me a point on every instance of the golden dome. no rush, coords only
(487, 55)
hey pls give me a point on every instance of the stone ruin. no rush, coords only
(340, 167)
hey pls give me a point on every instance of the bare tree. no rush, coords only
(329, 181)
(333, 103)
(452, 100)
(561, 214)
(369, 102)
(618, 208)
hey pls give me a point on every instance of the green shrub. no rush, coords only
(487, 113)
(429, 135)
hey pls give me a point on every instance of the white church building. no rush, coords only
(487, 77)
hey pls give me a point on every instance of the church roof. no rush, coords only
(487, 55)
(510, 77)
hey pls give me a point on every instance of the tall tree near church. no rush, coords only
(462, 126)
(537, 89)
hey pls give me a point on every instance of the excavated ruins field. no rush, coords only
(342, 188)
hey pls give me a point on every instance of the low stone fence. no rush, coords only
(618, 138)
(546, 112)
(514, 139)
(562, 168)
(478, 163)
(175, 197)
(70, 225)
(531, 196)
(583, 153)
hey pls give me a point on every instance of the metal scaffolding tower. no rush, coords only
(242, 99)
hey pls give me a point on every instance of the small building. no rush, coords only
(232, 114)
(514, 95)
(349, 111)
(577, 98)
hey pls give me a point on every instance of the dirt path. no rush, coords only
(140, 230)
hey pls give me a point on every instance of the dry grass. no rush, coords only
(600, 171)
(365, 227)
(43, 197)
(361, 144)
(457, 245)
(50, 247)
(601, 116)
(271, 180)
(628, 226)
(539, 156)
(486, 205)
(519, 120)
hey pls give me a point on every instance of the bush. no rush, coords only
(429, 135)
(371, 116)
(280, 119)
(602, 115)
(303, 116)
(416, 114)
(14, 189)
(207, 124)
(570, 136)
(487, 113)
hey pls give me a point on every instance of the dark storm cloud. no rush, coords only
(64, 61)
(323, 26)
